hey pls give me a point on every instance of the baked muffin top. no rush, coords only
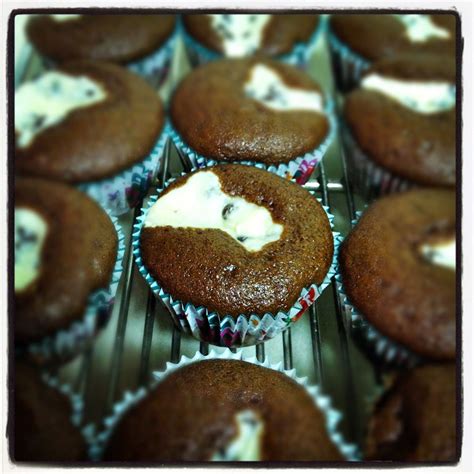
(398, 267)
(403, 117)
(114, 38)
(246, 34)
(85, 121)
(415, 421)
(43, 430)
(236, 240)
(377, 36)
(223, 410)
(249, 109)
(65, 248)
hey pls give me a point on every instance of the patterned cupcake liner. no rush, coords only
(323, 402)
(228, 331)
(383, 348)
(348, 66)
(65, 344)
(299, 56)
(121, 193)
(369, 179)
(300, 169)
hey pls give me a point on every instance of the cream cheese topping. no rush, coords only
(421, 28)
(46, 101)
(30, 233)
(419, 96)
(241, 34)
(247, 445)
(442, 253)
(65, 17)
(201, 203)
(267, 87)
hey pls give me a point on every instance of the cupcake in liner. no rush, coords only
(300, 169)
(299, 56)
(370, 179)
(348, 66)
(382, 347)
(122, 192)
(65, 344)
(228, 331)
(323, 402)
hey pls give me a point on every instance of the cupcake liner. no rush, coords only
(300, 169)
(382, 347)
(348, 66)
(227, 331)
(299, 56)
(369, 179)
(122, 192)
(65, 344)
(322, 401)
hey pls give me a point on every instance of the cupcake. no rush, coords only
(67, 266)
(144, 43)
(92, 124)
(400, 125)
(290, 38)
(398, 270)
(237, 253)
(358, 40)
(415, 421)
(256, 111)
(45, 421)
(222, 410)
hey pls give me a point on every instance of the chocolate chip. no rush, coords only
(241, 238)
(228, 209)
(38, 120)
(55, 87)
(90, 92)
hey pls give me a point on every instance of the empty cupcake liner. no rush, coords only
(299, 56)
(323, 402)
(228, 331)
(384, 348)
(370, 179)
(65, 344)
(348, 66)
(300, 169)
(124, 191)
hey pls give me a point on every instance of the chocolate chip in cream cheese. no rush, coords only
(48, 100)
(201, 203)
(421, 28)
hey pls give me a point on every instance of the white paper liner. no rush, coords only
(228, 331)
(130, 399)
(65, 344)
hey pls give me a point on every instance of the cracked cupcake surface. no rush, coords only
(246, 241)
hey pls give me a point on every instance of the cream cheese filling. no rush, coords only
(421, 28)
(442, 253)
(65, 17)
(30, 233)
(266, 86)
(201, 203)
(48, 100)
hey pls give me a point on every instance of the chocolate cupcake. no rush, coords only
(400, 125)
(256, 111)
(415, 421)
(44, 421)
(398, 270)
(145, 43)
(290, 38)
(93, 124)
(237, 252)
(223, 410)
(67, 267)
(358, 40)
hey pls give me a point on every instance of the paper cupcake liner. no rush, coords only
(65, 344)
(369, 179)
(299, 56)
(300, 169)
(348, 66)
(124, 191)
(322, 401)
(382, 347)
(228, 331)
